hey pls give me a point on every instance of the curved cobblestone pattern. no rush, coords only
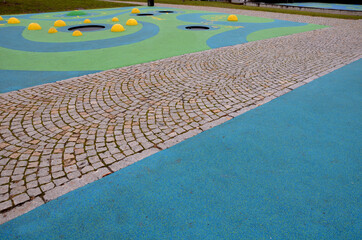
(59, 136)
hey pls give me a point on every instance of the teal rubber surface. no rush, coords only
(289, 169)
(334, 6)
(12, 80)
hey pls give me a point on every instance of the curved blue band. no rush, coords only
(16, 41)
(237, 36)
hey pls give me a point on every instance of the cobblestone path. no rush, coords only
(60, 136)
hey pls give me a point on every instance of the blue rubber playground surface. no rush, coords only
(334, 6)
(289, 169)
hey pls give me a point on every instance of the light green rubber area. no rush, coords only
(77, 13)
(283, 31)
(64, 16)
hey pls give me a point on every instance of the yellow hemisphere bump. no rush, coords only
(77, 33)
(34, 26)
(87, 21)
(131, 22)
(117, 28)
(59, 23)
(115, 19)
(52, 30)
(13, 20)
(232, 18)
(135, 10)
(1, 18)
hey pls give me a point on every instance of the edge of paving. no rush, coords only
(100, 173)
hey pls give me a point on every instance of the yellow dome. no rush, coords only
(34, 26)
(13, 20)
(131, 22)
(232, 18)
(1, 18)
(77, 33)
(59, 23)
(87, 21)
(117, 28)
(52, 30)
(135, 10)
(115, 19)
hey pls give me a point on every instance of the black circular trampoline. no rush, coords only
(145, 14)
(87, 28)
(166, 11)
(197, 28)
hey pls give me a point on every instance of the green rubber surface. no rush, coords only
(160, 36)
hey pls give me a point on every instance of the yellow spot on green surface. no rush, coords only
(87, 21)
(234, 27)
(115, 19)
(217, 18)
(156, 18)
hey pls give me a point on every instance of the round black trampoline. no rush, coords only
(145, 14)
(86, 28)
(166, 11)
(197, 28)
